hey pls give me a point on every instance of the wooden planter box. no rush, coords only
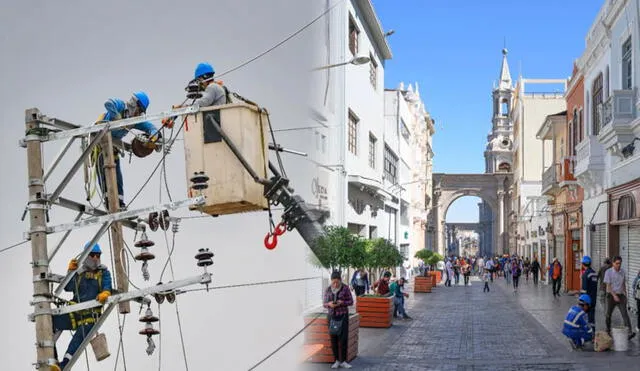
(437, 275)
(423, 284)
(318, 333)
(375, 311)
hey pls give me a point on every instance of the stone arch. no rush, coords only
(492, 188)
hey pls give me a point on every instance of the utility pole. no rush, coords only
(122, 284)
(38, 236)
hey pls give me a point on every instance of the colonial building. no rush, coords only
(608, 166)
(499, 150)
(530, 219)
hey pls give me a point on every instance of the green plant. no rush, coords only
(338, 249)
(434, 259)
(424, 255)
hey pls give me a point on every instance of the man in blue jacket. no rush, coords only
(92, 281)
(590, 287)
(118, 110)
(576, 327)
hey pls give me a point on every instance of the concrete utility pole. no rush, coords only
(38, 235)
(121, 282)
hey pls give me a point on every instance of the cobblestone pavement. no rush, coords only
(463, 329)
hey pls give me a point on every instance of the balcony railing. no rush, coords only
(590, 156)
(619, 107)
(550, 178)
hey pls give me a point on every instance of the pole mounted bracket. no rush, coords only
(45, 365)
(45, 344)
(50, 277)
(40, 263)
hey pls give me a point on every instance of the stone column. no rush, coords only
(500, 247)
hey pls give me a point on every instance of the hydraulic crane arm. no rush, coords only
(297, 215)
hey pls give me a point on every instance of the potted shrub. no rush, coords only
(377, 310)
(423, 283)
(433, 262)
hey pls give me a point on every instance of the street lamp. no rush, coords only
(358, 60)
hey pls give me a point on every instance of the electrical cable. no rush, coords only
(281, 42)
(250, 284)
(284, 344)
(12, 246)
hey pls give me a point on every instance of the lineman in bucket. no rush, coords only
(576, 327)
(91, 281)
(117, 109)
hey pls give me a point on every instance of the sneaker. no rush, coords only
(632, 335)
(345, 365)
(336, 364)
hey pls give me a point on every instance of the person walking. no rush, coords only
(449, 270)
(590, 287)
(555, 274)
(337, 299)
(615, 279)
(527, 268)
(535, 270)
(485, 277)
(466, 271)
(507, 268)
(456, 271)
(360, 282)
(516, 271)
(480, 265)
(490, 267)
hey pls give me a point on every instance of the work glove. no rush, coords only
(168, 122)
(103, 296)
(73, 264)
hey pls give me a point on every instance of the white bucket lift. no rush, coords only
(231, 188)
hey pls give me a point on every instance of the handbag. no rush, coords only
(335, 324)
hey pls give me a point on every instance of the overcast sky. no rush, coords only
(66, 58)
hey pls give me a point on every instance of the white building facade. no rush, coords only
(608, 166)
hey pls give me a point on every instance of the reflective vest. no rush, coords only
(575, 324)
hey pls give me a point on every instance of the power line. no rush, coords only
(284, 344)
(281, 42)
(12, 246)
(250, 284)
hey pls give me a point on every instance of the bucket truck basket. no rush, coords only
(231, 189)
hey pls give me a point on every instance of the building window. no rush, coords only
(404, 131)
(580, 126)
(626, 64)
(574, 136)
(373, 71)
(596, 105)
(390, 165)
(372, 151)
(354, 34)
(353, 133)
(626, 208)
(504, 108)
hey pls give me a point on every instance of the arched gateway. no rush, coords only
(493, 189)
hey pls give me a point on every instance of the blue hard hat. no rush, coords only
(586, 260)
(95, 249)
(203, 69)
(143, 100)
(584, 299)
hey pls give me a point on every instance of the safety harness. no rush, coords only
(86, 316)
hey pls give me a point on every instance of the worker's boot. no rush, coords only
(55, 368)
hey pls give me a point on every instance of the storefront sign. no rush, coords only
(575, 220)
(319, 189)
